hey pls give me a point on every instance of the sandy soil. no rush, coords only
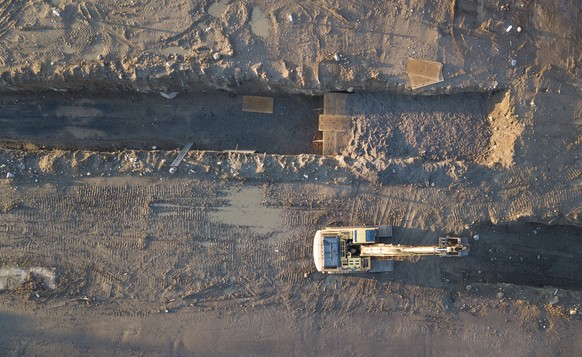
(103, 252)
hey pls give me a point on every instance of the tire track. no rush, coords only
(9, 11)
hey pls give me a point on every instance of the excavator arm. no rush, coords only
(447, 247)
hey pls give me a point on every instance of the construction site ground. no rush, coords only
(104, 252)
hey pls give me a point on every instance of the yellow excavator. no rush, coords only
(359, 249)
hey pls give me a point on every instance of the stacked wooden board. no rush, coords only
(334, 123)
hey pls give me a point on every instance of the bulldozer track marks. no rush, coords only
(9, 11)
(146, 226)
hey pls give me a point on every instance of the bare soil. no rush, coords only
(216, 259)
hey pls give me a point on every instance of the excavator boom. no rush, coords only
(446, 246)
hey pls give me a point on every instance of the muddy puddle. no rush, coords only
(245, 208)
(259, 23)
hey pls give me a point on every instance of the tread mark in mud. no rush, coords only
(9, 11)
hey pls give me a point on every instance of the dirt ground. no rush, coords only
(104, 252)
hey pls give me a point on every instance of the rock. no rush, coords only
(554, 300)
(500, 295)
(337, 57)
(573, 311)
(468, 287)
(350, 89)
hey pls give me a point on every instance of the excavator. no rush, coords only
(339, 250)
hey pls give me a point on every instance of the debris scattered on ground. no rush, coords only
(171, 95)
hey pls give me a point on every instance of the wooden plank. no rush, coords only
(329, 143)
(329, 122)
(335, 103)
(423, 73)
(334, 142)
(180, 157)
(256, 104)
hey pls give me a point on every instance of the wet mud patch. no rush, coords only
(246, 208)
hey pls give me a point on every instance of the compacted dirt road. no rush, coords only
(104, 252)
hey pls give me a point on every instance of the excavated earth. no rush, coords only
(104, 252)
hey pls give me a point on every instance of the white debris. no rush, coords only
(290, 17)
(169, 95)
(518, 29)
(513, 63)
(9, 175)
(337, 57)
(500, 295)
(573, 311)
(154, 147)
(216, 56)
(350, 89)
(554, 300)
(508, 28)
(476, 237)
(56, 13)
(12, 278)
